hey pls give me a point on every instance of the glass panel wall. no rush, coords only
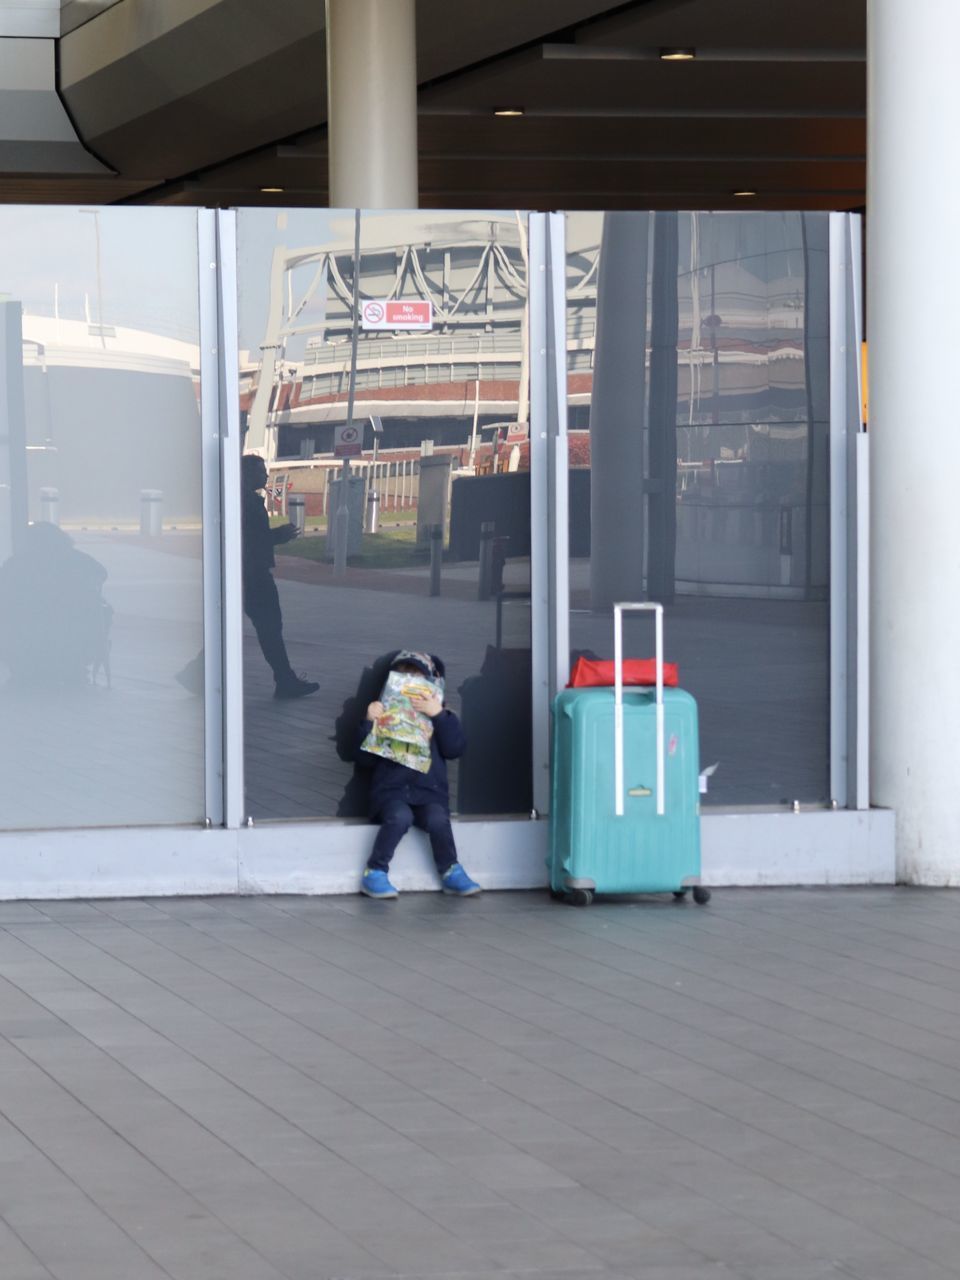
(100, 531)
(698, 385)
(387, 394)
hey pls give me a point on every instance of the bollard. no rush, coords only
(485, 580)
(50, 506)
(373, 511)
(436, 557)
(151, 512)
(297, 510)
(786, 544)
(498, 561)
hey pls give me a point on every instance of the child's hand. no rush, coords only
(375, 711)
(427, 704)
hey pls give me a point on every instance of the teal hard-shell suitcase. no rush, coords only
(625, 813)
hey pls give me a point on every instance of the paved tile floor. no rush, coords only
(257, 1089)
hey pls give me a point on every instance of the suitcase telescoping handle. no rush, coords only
(618, 611)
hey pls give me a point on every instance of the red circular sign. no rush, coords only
(373, 312)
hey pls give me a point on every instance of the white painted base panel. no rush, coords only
(746, 849)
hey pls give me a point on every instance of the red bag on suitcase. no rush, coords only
(588, 672)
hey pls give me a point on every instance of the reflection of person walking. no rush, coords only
(261, 601)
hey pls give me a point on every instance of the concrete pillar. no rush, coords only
(913, 286)
(617, 512)
(372, 104)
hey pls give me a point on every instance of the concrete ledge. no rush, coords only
(117, 862)
(819, 847)
(328, 858)
(815, 848)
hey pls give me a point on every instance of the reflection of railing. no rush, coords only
(400, 350)
(761, 545)
(397, 481)
(334, 382)
(582, 323)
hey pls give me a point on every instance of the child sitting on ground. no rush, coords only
(406, 740)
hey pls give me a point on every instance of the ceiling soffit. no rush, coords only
(231, 98)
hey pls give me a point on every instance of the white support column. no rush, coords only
(372, 104)
(913, 285)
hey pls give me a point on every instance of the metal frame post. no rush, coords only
(558, 461)
(839, 530)
(211, 510)
(849, 525)
(858, 489)
(541, 624)
(231, 655)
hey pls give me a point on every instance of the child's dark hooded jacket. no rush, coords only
(391, 781)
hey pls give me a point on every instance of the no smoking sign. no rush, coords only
(394, 313)
(347, 440)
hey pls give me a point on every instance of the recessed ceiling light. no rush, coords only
(269, 191)
(508, 111)
(678, 55)
(744, 194)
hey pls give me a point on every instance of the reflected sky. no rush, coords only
(49, 262)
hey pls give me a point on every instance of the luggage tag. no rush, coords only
(706, 774)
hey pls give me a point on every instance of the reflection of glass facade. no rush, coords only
(441, 416)
(100, 530)
(698, 385)
(697, 382)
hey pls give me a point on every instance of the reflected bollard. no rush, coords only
(373, 511)
(786, 544)
(498, 562)
(151, 512)
(50, 506)
(485, 580)
(436, 557)
(297, 511)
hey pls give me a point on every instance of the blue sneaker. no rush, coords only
(457, 881)
(376, 884)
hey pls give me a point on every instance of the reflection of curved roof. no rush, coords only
(58, 342)
(395, 230)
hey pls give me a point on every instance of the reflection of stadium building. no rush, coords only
(85, 384)
(468, 370)
(741, 409)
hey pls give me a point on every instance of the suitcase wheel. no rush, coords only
(558, 895)
(579, 897)
(679, 894)
(701, 896)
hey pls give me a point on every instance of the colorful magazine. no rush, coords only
(403, 734)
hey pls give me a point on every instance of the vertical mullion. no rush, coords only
(540, 621)
(559, 463)
(231, 654)
(858, 620)
(210, 431)
(839, 745)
